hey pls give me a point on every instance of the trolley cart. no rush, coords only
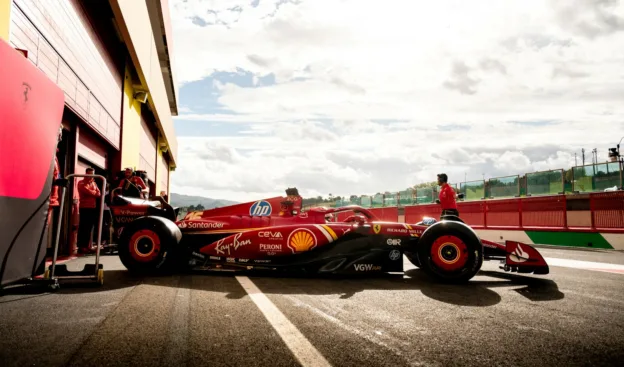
(94, 272)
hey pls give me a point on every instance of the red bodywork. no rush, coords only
(276, 227)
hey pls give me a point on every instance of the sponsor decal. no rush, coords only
(260, 208)
(395, 255)
(222, 247)
(393, 242)
(485, 244)
(125, 219)
(271, 235)
(230, 259)
(411, 232)
(215, 258)
(130, 212)
(201, 256)
(243, 260)
(193, 215)
(264, 247)
(377, 228)
(262, 261)
(519, 255)
(366, 267)
(301, 240)
(201, 225)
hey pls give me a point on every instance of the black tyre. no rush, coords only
(149, 245)
(450, 252)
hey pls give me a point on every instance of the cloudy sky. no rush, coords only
(362, 96)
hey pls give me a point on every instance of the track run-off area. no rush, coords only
(573, 316)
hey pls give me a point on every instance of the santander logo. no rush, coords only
(519, 255)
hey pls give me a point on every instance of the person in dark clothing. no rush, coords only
(89, 193)
(447, 196)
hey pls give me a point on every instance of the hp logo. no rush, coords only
(395, 255)
(260, 209)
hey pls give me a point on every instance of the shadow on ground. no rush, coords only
(476, 293)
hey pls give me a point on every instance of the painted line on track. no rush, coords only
(299, 345)
(585, 265)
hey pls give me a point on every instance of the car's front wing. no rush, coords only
(516, 257)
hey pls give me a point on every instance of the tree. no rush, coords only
(199, 207)
(426, 185)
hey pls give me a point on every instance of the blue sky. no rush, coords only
(355, 97)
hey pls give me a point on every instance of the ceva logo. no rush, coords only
(260, 208)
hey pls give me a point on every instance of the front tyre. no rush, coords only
(450, 252)
(147, 244)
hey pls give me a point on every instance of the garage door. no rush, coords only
(92, 149)
(147, 152)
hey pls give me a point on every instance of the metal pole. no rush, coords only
(58, 232)
(99, 240)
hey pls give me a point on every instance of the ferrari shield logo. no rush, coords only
(377, 228)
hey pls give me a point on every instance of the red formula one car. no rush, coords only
(275, 234)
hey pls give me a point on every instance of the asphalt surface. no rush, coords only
(570, 317)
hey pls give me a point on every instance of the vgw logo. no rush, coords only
(260, 209)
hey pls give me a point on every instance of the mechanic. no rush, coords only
(447, 196)
(89, 192)
(130, 179)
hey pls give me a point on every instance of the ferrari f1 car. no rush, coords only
(274, 234)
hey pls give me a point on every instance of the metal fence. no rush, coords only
(581, 179)
(473, 190)
(504, 187)
(596, 177)
(545, 183)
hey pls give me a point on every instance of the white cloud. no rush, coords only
(340, 65)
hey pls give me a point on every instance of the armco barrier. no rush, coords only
(607, 210)
(502, 213)
(415, 213)
(473, 213)
(546, 211)
(602, 212)
(389, 214)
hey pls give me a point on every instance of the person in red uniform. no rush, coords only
(447, 196)
(134, 180)
(89, 193)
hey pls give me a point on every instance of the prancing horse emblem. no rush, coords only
(377, 228)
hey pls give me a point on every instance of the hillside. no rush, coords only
(179, 200)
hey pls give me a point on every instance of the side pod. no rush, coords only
(523, 258)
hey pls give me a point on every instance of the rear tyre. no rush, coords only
(149, 244)
(450, 252)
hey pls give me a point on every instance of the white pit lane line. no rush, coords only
(585, 265)
(303, 350)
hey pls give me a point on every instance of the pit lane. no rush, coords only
(570, 317)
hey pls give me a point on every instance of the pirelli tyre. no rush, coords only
(150, 245)
(450, 252)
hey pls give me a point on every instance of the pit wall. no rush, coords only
(588, 221)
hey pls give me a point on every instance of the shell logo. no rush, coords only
(301, 240)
